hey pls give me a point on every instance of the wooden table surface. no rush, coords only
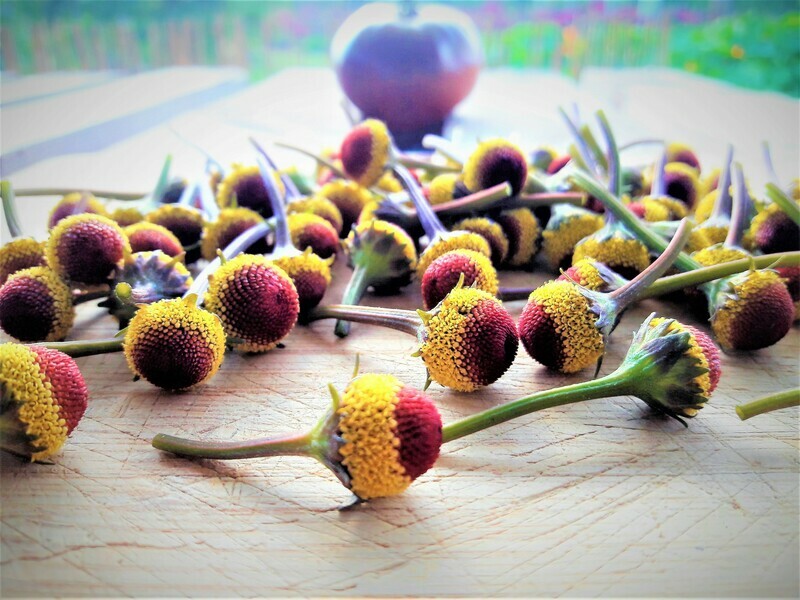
(600, 498)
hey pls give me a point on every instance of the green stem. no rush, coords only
(111, 195)
(674, 283)
(290, 445)
(594, 147)
(360, 280)
(414, 163)
(777, 401)
(614, 171)
(650, 239)
(400, 320)
(86, 347)
(10, 209)
(611, 385)
(786, 204)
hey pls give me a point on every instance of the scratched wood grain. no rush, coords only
(598, 498)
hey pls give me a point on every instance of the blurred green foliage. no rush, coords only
(752, 43)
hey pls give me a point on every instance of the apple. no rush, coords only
(407, 66)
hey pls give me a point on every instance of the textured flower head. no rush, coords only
(173, 344)
(229, 224)
(681, 183)
(774, 231)
(468, 341)
(19, 254)
(443, 275)
(244, 187)
(446, 187)
(385, 249)
(558, 328)
(791, 276)
(751, 310)
(310, 274)
(593, 275)
(455, 240)
(542, 157)
(522, 230)
(317, 205)
(616, 248)
(390, 435)
(310, 231)
(658, 209)
(672, 367)
(255, 300)
(146, 237)
(36, 306)
(185, 222)
(682, 153)
(492, 232)
(567, 226)
(86, 248)
(717, 254)
(42, 398)
(349, 197)
(125, 216)
(144, 278)
(75, 203)
(494, 162)
(365, 152)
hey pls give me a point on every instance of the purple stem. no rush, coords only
(773, 176)
(427, 218)
(658, 188)
(402, 320)
(741, 209)
(283, 239)
(722, 207)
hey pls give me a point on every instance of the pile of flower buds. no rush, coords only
(236, 259)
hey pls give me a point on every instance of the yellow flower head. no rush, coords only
(593, 275)
(492, 232)
(456, 240)
(443, 275)
(349, 197)
(319, 206)
(442, 188)
(244, 187)
(20, 254)
(255, 300)
(681, 182)
(718, 254)
(389, 183)
(682, 153)
(705, 355)
(626, 256)
(76, 201)
(173, 344)
(36, 306)
(85, 248)
(391, 434)
(660, 209)
(563, 233)
(185, 222)
(753, 310)
(469, 340)
(496, 161)
(230, 223)
(146, 237)
(125, 216)
(365, 152)
(522, 229)
(559, 329)
(308, 230)
(310, 274)
(42, 398)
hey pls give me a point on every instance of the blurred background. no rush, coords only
(751, 43)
